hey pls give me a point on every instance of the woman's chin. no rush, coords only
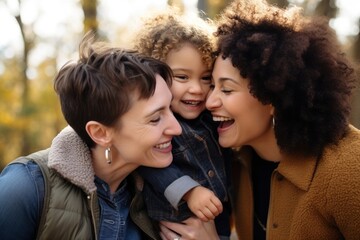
(165, 162)
(224, 142)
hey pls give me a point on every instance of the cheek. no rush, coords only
(176, 89)
(248, 110)
(206, 88)
(236, 107)
(259, 117)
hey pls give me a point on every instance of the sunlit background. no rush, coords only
(39, 36)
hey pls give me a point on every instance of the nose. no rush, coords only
(212, 101)
(174, 127)
(196, 87)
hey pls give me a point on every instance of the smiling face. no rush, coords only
(243, 119)
(144, 133)
(191, 81)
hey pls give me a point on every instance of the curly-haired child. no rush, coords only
(196, 182)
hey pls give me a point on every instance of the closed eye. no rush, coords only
(156, 120)
(226, 91)
(181, 77)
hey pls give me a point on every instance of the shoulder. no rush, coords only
(340, 167)
(346, 153)
(21, 179)
(21, 174)
(21, 194)
(340, 164)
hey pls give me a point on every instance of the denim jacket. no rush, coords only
(27, 195)
(197, 160)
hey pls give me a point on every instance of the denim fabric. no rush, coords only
(21, 202)
(115, 222)
(21, 188)
(196, 154)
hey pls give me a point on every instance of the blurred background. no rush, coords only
(39, 36)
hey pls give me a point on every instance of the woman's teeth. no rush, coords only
(163, 145)
(222, 119)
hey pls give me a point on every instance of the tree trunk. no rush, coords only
(25, 105)
(90, 22)
(279, 3)
(211, 8)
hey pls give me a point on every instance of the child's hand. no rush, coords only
(203, 203)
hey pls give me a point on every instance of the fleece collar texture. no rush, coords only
(71, 158)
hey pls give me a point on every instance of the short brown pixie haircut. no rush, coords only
(104, 82)
(294, 63)
(169, 30)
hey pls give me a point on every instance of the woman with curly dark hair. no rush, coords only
(281, 92)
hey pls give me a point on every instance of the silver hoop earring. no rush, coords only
(108, 156)
(273, 122)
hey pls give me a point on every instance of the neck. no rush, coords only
(113, 174)
(267, 148)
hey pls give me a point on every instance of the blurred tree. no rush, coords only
(90, 21)
(356, 46)
(26, 109)
(326, 8)
(212, 8)
(355, 53)
(177, 3)
(355, 111)
(23, 125)
(10, 106)
(48, 110)
(279, 3)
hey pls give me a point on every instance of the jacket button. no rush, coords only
(275, 225)
(211, 173)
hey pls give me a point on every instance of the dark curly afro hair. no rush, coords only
(294, 63)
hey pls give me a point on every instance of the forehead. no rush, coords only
(224, 67)
(142, 108)
(187, 57)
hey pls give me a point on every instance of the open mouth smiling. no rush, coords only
(224, 121)
(163, 145)
(192, 103)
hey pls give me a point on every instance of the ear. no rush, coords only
(272, 110)
(99, 133)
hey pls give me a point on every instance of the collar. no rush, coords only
(71, 158)
(298, 170)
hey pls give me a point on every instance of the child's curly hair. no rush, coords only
(170, 30)
(294, 63)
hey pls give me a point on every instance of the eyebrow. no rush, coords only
(223, 79)
(181, 69)
(154, 111)
(157, 109)
(189, 70)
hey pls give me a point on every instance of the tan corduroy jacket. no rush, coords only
(310, 198)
